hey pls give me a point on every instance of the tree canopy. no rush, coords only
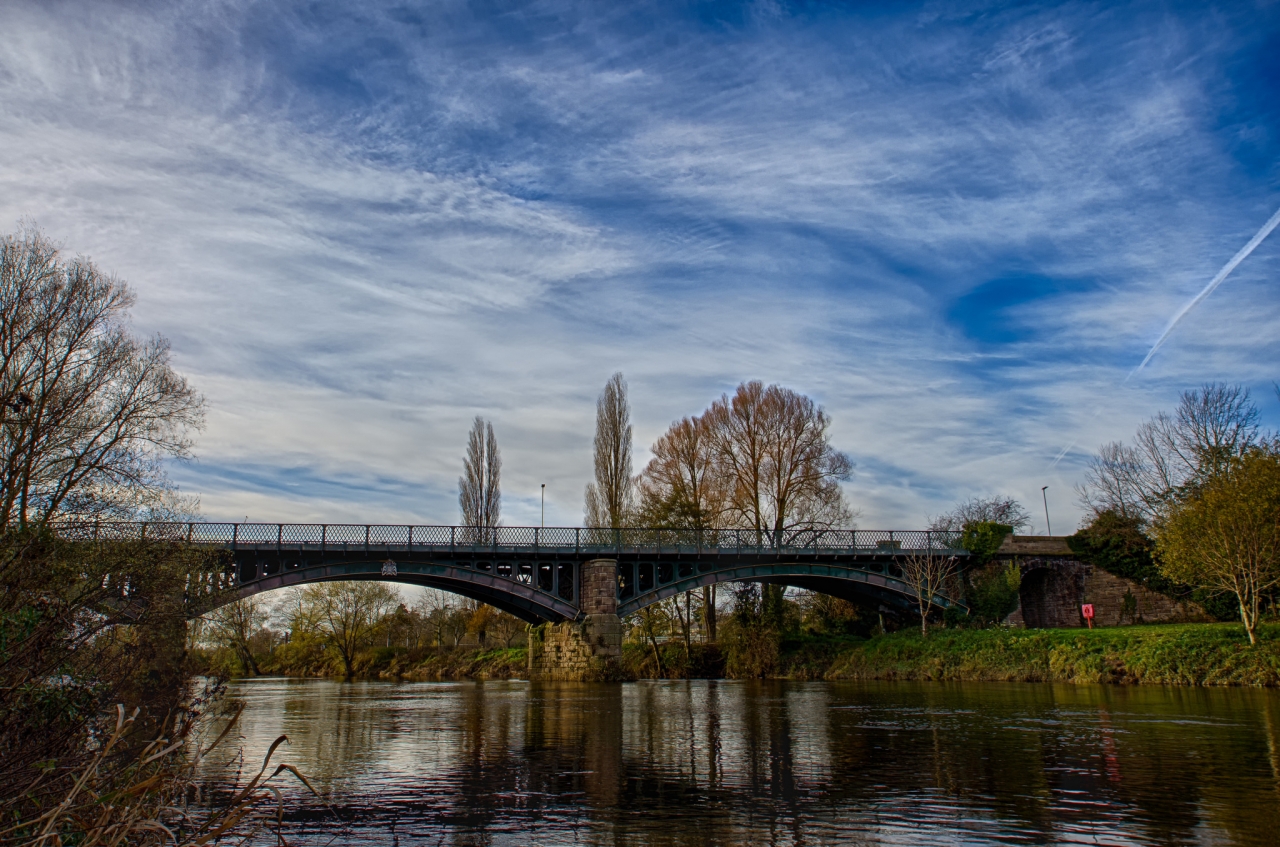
(1225, 535)
(87, 411)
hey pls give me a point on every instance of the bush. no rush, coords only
(982, 539)
(751, 639)
(74, 644)
(993, 593)
(749, 652)
(303, 655)
(827, 615)
(703, 661)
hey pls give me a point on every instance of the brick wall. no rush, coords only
(1119, 601)
(599, 587)
(1055, 584)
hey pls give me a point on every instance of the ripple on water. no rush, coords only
(768, 763)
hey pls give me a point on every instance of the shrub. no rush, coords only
(982, 539)
(993, 593)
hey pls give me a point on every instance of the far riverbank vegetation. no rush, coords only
(1154, 507)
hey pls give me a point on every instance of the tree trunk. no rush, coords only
(657, 654)
(1250, 621)
(246, 656)
(687, 625)
(709, 611)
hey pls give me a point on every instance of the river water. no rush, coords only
(714, 762)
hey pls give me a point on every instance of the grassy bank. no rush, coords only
(1170, 654)
(1164, 654)
(312, 660)
(502, 663)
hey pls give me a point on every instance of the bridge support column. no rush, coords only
(587, 649)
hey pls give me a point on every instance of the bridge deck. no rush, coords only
(534, 572)
(577, 541)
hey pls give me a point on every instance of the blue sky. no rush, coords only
(959, 226)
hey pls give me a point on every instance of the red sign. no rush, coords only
(1087, 610)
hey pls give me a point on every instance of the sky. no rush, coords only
(957, 226)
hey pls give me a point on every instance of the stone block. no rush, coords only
(576, 652)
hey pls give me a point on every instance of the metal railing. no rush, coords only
(521, 538)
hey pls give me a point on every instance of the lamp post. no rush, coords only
(544, 505)
(1043, 489)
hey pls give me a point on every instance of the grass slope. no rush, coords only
(502, 663)
(1171, 654)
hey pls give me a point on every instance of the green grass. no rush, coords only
(1170, 654)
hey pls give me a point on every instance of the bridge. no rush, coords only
(544, 574)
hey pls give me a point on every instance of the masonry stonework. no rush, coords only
(587, 649)
(1055, 585)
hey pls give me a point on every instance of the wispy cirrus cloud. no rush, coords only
(956, 225)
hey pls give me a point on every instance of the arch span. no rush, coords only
(519, 599)
(535, 594)
(878, 582)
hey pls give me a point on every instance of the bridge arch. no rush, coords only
(875, 582)
(512, 595)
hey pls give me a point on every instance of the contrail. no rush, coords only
(1213, 283)
(1230, 266)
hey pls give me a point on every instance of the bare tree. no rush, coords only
(780, 469)
(348, 613)
(682, 488)
(506, 627)
(479, 496)
(87, 411)
(235, 625)
(998, 509)
(1173, 455)
(294, 613)
(610, 498)
(650, 622)
(929, 572)
(435, 607)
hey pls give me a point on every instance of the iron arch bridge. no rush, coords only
(535, 573)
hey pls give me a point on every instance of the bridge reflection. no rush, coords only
(706, 762)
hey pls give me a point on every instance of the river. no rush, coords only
(715, 762)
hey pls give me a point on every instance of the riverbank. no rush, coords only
(1159, 654)
(502, 663)
(1165, 654)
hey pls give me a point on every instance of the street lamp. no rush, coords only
(544, 505)
(1043, 489)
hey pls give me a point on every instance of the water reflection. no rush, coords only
(685, 763)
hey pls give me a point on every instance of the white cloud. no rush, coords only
(506, 225)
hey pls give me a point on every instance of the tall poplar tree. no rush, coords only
(610, 498)
(479, 495)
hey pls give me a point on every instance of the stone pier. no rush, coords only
(589, 648)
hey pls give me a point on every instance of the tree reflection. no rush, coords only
(693, 762)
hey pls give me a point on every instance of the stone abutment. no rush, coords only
(588, 649)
